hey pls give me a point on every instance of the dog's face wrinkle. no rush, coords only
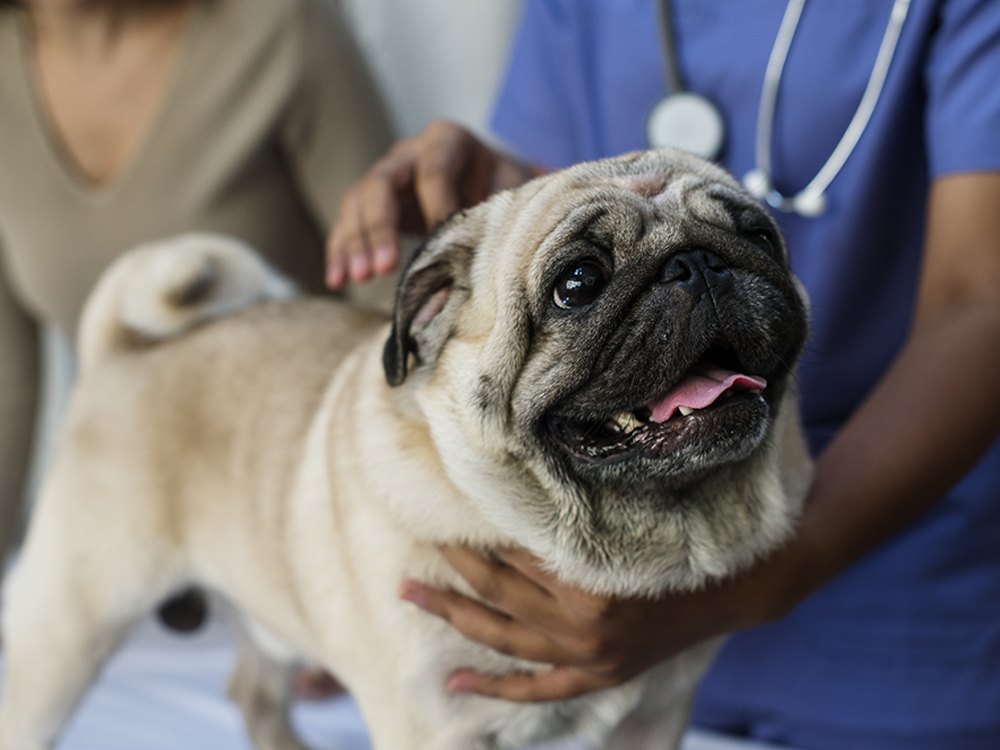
(653, 350)
(641, 351)
(647, 352)
(749, 219)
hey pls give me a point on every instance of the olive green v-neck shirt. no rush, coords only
(270, 115)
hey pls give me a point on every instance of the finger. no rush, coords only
(365, 239)
(437, 189)
(359, 267)
(530, 567)
(385, 257)
(583, 610)
(380, 206)
(560, 683)
(483, 624)
(448, 159)
(503, 586)
(336, 270)
(347, 242)
(343, 235)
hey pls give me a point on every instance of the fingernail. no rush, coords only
(359, 267)
(414, 593)
(336, 275)
(462, 682)
(385, 258)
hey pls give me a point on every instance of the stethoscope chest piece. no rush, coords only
(687, 121)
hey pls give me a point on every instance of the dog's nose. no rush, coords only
(696, 271)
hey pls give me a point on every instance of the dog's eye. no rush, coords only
(579, 285)
(765, 241)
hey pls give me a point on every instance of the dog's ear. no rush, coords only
(431, 289)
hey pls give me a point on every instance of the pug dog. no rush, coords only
(596, 366)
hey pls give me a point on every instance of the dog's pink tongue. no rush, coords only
(700, 388)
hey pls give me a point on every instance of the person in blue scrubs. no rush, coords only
(878, 626)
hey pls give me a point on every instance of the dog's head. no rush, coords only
(605, 359)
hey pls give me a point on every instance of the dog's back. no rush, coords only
(201, 369)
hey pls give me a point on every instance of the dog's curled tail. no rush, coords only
(161, 289)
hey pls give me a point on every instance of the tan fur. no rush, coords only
(262, 454)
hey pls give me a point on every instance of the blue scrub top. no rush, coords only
(908, 638)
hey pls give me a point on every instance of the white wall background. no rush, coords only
(435, 58)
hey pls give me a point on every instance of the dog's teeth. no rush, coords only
(627, 421)
(756, 391)
(685, 410)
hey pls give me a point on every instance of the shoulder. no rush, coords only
(959, 78)
(253, 17)
(266, 35)
(295, 24)
(585, 14)
(296, 15)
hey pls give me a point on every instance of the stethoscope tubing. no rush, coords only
(810, 201)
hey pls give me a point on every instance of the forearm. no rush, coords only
(19, 376)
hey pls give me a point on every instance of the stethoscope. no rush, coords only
(693, 122)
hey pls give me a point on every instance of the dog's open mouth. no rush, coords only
(709, 400)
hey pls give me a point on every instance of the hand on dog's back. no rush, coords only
(421, 182)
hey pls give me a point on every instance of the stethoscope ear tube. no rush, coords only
(811, 200)
(704, 120)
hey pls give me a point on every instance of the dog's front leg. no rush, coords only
(261, 685)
